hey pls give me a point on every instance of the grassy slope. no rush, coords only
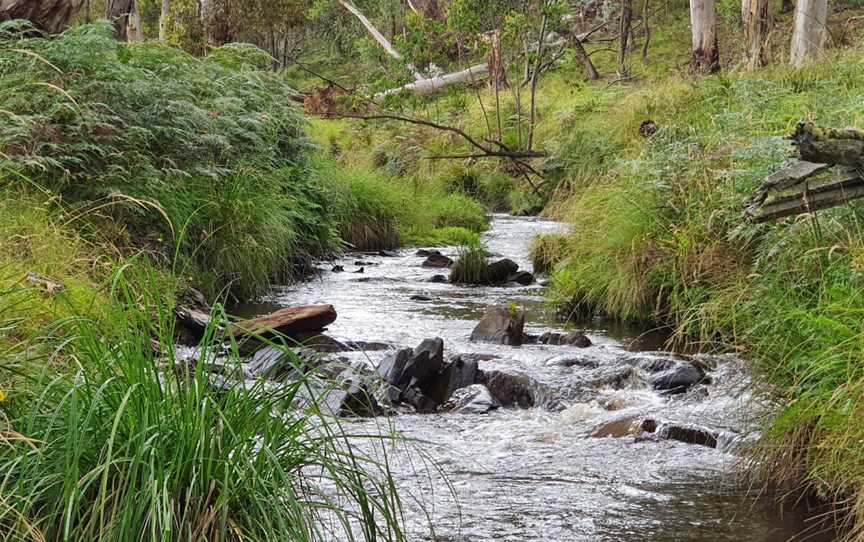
(658, 234)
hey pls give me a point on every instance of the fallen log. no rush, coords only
(425, 87)
(839, 187)
(829, 145)
(292, 322)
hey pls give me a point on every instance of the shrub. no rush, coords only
(165, 144)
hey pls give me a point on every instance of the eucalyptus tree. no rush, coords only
(809, 32)
(705, 51)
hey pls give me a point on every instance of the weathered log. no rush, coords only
(828, 145)
(434, 84)
(792, 175)
(842, 186)
(290, 321)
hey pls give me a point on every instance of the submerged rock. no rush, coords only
(500, 325)
(687, 433)
(474, 399)
(678, 379)
(574, 338)
(425, 252)
(438, 261)
(439, 279)
(572, 361)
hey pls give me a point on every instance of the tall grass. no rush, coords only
(660, 236)
(109, 438)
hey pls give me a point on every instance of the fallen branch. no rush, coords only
(484, 150)
(425, 87)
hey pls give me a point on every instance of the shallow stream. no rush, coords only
(575, 472)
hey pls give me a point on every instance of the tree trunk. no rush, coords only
(757, 19)
(427, 8)
(582, 56)
(119, 12)
(787, 6)
(703, 21)
(624, 36)
(808, 35)
(52, 16)
(378, 36)
(163, 20)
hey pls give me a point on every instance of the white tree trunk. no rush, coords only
(808, 35)
(703, 21)
(757, 19)
(432, 85)
(134, 29)
(163, 20)
(378, 36)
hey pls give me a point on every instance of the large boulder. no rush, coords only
(511, 389)
(475, 399)
(459, 373)
(408, 367)
(500, 272)
(191, 325)
(523, 278)
(501, 325)
(290, 322)
(354, 395)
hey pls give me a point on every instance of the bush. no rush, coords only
(205, 154)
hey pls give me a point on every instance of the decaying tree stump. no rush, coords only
(829, 173)
(829, 145)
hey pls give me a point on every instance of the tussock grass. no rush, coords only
(127, 444)
(547, 251)
(471, 266)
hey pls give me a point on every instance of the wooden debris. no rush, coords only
(46, 284)
(289, 322)
(838, 187)
(828, 145)
(830, 173)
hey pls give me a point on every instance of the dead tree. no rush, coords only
(624, 36)
(126, 18)
(52, 16)
(705, 51)
(808, 35)
(757, 18)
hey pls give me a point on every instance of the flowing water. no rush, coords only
(572, 472)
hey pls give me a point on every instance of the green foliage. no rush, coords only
(471, 266)
(660, 236)
(205, 155)
(131, 444)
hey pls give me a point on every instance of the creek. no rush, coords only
(572, 469)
